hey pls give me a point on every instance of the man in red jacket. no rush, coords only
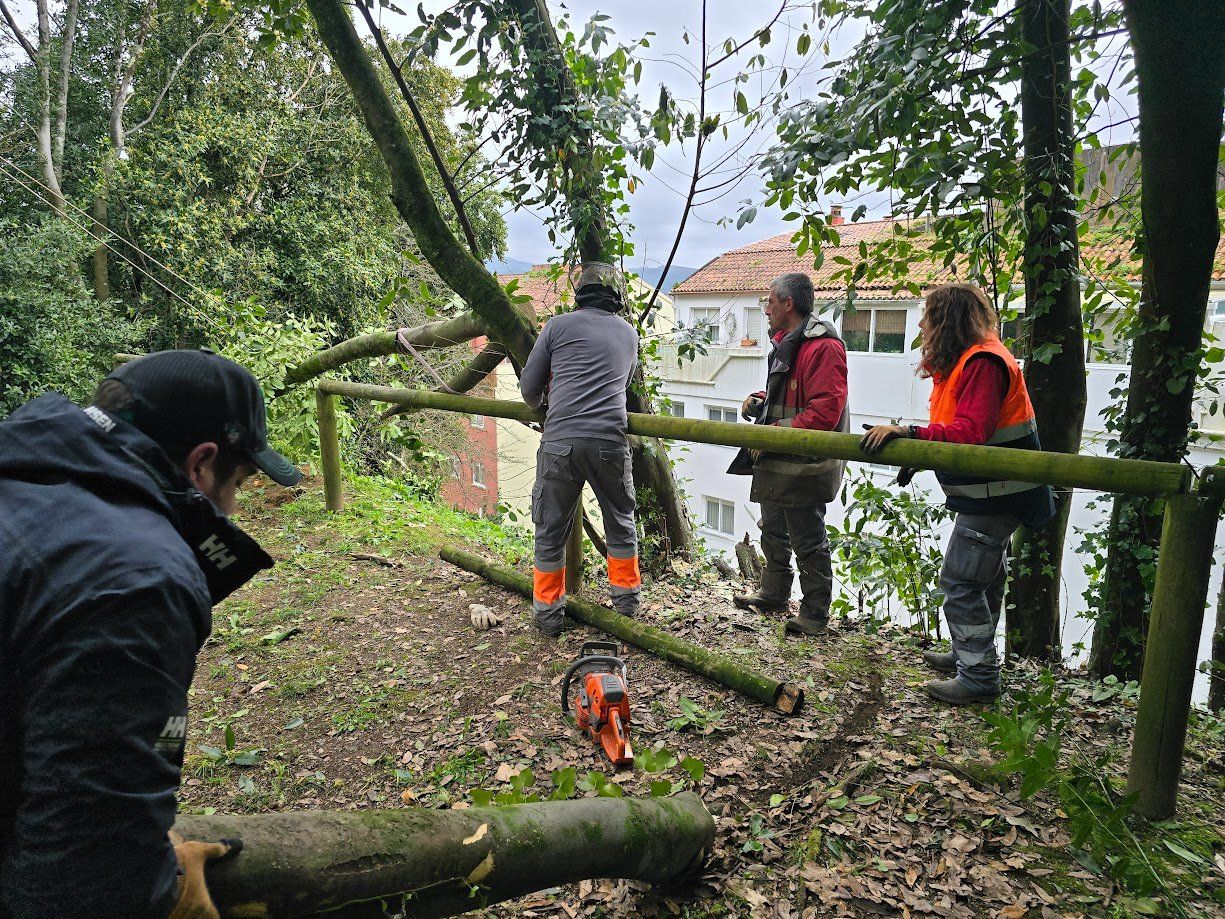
(806, 388)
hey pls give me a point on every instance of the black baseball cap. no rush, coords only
(192, 397)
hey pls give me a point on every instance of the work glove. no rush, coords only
(194, 899)
(750, 408)
(483, 618)
(904, 475)
(874, 441)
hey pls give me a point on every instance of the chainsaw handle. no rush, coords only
(589, 659)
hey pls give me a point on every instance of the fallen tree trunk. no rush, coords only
(442, 333)
(445, 862)
(783, 697)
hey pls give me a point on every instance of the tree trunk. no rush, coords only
(1216, 672)
(663, 508)
(443, 333)
(428, 862)
(101, 265)
(1056, 382)
(785, 697)
(410, 192)
(1180, 74)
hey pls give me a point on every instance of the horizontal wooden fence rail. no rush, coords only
(1095, 473)
(1184, 562)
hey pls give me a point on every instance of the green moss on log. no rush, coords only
(717, 667)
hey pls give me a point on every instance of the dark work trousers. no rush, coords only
(562, 468)
(802, 529)
(973, 577)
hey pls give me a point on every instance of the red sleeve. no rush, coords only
(983, 388)
(824, 376)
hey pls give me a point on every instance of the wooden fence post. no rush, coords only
(574, 552)
(1180, 593)
(329, 450)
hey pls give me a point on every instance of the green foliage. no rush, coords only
(231, 755)
(887, 547)
(53, 334)
(695, 718)
(1149, 862)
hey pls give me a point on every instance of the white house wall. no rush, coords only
(882, 387)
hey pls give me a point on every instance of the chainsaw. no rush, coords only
(602, 705)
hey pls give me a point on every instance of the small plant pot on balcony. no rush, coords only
(748, 342)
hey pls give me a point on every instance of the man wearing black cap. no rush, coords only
(114, 546)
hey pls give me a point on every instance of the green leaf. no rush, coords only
(1184, 853)
(776, 800)
(695, 767)
(229, 737)
(867, 799)
(661, 788)
(839, 802)
(293, 723)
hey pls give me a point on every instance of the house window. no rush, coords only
(478, 422)
(478, 474)
(879, 331)
(716, 413)
(1106, 343)
(755, 325)
(675, 409)
(707, 324)
(456, 469)
(720, 516)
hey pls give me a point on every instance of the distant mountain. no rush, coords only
(676, 274)
(508, 266)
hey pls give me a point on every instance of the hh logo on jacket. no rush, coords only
(170, 741)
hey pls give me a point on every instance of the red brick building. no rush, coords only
(473, 482)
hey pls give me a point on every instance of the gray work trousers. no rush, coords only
(973, 577)
(562, 468)
(800, 529)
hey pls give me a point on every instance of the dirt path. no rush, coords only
(350, 682)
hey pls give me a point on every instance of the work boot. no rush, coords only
(955, 692)
(944, 661)
(803, 625)
(773, 596)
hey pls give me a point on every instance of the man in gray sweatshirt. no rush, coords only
(579, 369)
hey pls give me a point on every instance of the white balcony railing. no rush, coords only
(698, 368)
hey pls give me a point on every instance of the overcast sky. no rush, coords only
(657, 202)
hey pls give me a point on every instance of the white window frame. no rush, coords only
(710, 330)
(478, 474)
(675, 408)
(873, 310)
(726, 514)
(723, 413)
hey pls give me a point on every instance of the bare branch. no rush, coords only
(174, 72)
(736, 50)
(17, 33)
(467, 379)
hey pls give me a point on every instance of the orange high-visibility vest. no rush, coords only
(1016, 428)
(1017, 413)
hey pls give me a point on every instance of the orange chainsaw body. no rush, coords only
(601, 704)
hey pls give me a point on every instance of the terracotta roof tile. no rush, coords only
(750, 268)
(547, 294)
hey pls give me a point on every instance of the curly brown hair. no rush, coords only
(957, 317)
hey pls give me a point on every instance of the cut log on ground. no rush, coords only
(784, 697)
(748, 559)
(445, 862)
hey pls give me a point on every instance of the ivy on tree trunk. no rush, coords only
(1180, 70)
(1054, 340)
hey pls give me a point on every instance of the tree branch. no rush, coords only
(440, 334)
(17, 33)
(427, 135)
(467, 379)
(174, 73)
(736, 50)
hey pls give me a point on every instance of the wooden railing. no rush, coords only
(1192, 509)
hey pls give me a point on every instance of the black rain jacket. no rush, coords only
(110, 563)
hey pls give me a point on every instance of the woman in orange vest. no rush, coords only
(978, 397)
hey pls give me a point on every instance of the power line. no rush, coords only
(135, 248)
(44, 197)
